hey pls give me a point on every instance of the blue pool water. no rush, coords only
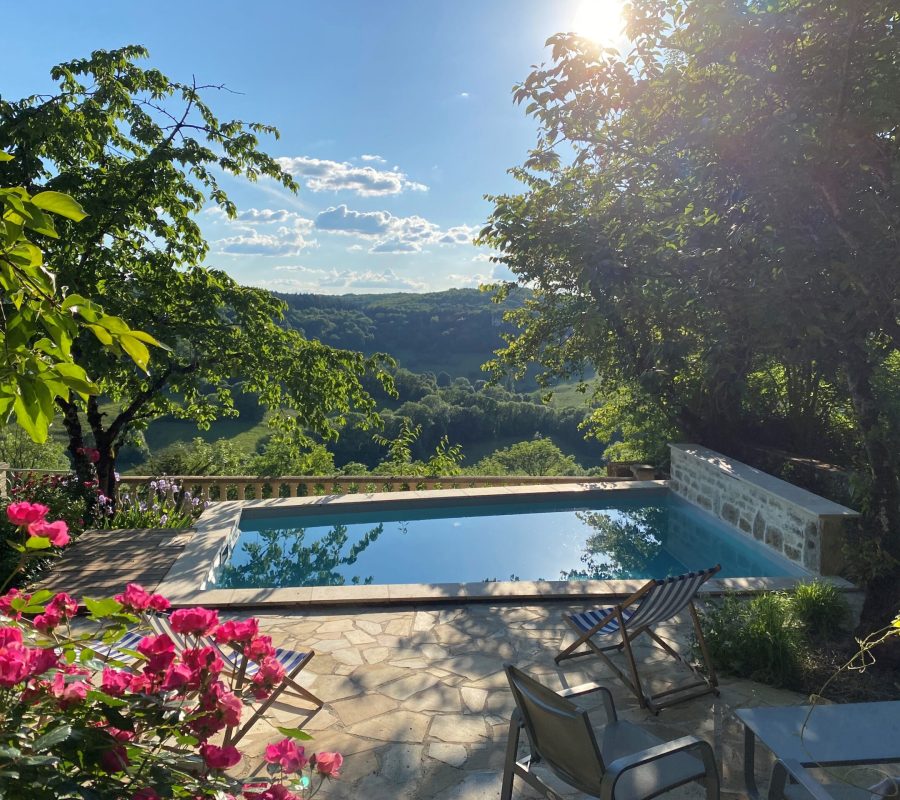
(626, 537)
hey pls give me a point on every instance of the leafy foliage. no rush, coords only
(19, 450)
(142, 154)
(538, 456)
(820, 608)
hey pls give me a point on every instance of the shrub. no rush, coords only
(759, 639)
(137, 725)
(162, 504)
(820, 608)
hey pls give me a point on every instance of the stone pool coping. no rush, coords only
(187, 582)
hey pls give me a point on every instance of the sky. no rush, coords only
(396, 118)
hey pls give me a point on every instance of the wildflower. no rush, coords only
(163, 519)
(6, 603)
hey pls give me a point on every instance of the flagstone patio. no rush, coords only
(417, 701)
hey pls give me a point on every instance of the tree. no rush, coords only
(38, 323)
(20, 451)
(536, 457)
(729, 198)
(141, 153)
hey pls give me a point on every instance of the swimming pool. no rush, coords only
(617, 537)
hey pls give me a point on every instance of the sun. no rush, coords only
(599, 20)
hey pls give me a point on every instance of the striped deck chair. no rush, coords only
(243, 670)
(616, 627)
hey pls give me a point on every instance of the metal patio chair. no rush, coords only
(243, 669)
(623, 762)
(616, 627)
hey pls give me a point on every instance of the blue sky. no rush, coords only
(395, 116)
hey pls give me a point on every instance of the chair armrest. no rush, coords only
(615, 769)
(794, 769)
(586, 688)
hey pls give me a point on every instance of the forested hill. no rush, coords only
(454, 331)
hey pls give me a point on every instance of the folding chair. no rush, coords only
(627, 763)
(655, 602)
(241, 669)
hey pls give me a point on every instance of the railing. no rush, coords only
(245, 487)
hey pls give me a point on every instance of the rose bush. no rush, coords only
(80, 718)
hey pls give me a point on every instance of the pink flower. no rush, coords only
(40, 660)
(134, 598)
(236, 632)
(14, 663)
(115, 682)
(146, 794)
(177, 676)
(196, 621)
(269, 675)
(329, 764)
(287, 754)
(47, 621)
(26, 513)
(68, 693)
(274, 792)
(10, 636)
(159, 652)
(57, 532)
(224, 702)
(115, 759)
(159, 603)
(219, 757)
(201, 661)
(6, 601)
(63, 604)
(259, 648)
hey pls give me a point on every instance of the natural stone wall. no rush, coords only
(805, 528)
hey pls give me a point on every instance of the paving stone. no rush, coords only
(440, 698)
(458, 728)
(349, 656)
(473, 667)
(398, 627)
(476, 786)
(402, 763)
(336, 626)
(330, 645)
(453, 754)
(395, 726)
(473, 698)
(366, 706)
(375, 655)
(410, 685)
(358, 637)
(370, 627)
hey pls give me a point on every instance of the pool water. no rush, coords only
(626, 537)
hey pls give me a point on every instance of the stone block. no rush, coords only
(774, 537)
(744, 525)
(759, 526)
(729, 513)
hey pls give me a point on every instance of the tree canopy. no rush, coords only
(143, 154)
(720, 199)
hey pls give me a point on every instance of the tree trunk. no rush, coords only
(72, 423)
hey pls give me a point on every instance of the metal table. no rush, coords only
(834, 735)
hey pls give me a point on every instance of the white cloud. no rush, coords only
(264, 216)
(334, 281)
(475, 280)
(464, 95)
(392, 234)
(370, 157)
(286, 243)
(321, 175)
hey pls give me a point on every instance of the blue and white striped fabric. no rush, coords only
(289, 659)
(588, 619)
(128, 641)
(667, 598)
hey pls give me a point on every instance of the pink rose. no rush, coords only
(6, 601)
(159, 603)
(15, 663)
(201, 661)
(274, 792)
(134, 598)
(194, 621)
(57, 532)
(224, 702)
(146, 794)
(177, 676)
(269, 675)
(10, 636)
(329, 764)
(47, 621)
(259, 648)
(287, 754)
(236, 632)
(68, 693)
(114, 759)
(63, 604)
(159, 652)
(26, 513)
(219, 757)
(40, 660)
(115, 682)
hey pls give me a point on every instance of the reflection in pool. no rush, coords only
(653, 536)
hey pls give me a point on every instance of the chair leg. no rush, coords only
(512, 749)
(701, 640)
(636, 685)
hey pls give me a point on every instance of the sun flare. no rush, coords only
(599, 20)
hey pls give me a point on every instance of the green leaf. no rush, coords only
(295, 733)
(137, 350)
(5, 156)
(100, 609)
(37, 543)
(55, 736)
(59, 203)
